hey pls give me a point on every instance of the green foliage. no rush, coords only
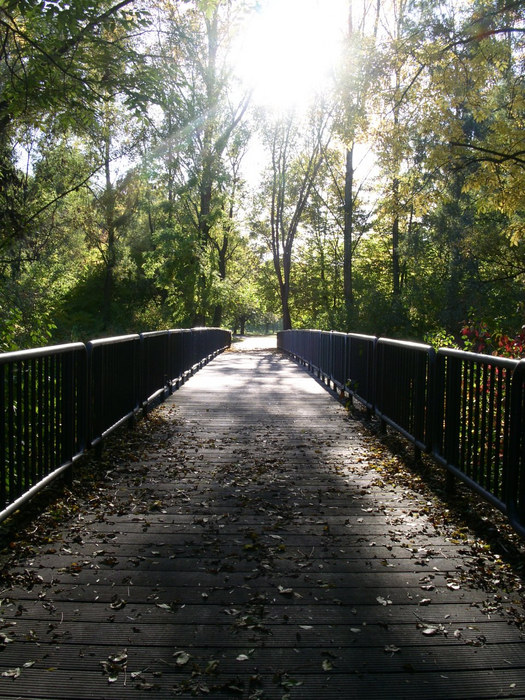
(440, 339)
(122, 205)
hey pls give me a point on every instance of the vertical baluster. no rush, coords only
(500, 425)
(492, 458)
(506, 391)
(34, 418)
(11, 431)
(40, 423)
(4, 453)
(26, 422)
(19, 429)
(475, 430)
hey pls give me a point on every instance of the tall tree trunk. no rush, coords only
(396, 267)
(171, 171)
(110, 256)
(285, 295)
(217, 316)
(396, 283)
(222, 251)
(208, 166)
(348, 234)
(284, 288)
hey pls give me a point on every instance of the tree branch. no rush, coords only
(491, 155)
(64, 194)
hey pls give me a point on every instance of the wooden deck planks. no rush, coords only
(242, 546)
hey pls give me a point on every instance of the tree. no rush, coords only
(358, 69)
(296, 154)
(202, 127)
(473, 59)
(35, 271)
(46, 58)
(51, 70)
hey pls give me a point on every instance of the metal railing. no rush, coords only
(112, 392)
(472, 407)
(466, 410)
(57, 402)
(42, 424)
(402, 383)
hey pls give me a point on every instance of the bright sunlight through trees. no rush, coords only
(289, 50)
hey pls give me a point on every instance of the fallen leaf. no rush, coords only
(285, 591)
(12, 673)
(118, 603)
(114, 665)
(383, 601)
(182, 657)
(211, 667)
(119, 659)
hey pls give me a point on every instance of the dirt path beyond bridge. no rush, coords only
(240, 544)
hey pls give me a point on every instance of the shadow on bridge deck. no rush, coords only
(241, 545)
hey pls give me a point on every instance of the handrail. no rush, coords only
(56, 402)
(33, 353)
(464, 409)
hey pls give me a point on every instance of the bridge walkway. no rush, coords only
(243, 543)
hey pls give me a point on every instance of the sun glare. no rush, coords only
(289, 48)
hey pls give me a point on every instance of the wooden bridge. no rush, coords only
(241, 544)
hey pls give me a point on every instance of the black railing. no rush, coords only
(56, 402)
(472, 407)
(402, 384)
(113, 384)
(466, 410)
(42, 425)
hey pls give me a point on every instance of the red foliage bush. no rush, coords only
(477, 337)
